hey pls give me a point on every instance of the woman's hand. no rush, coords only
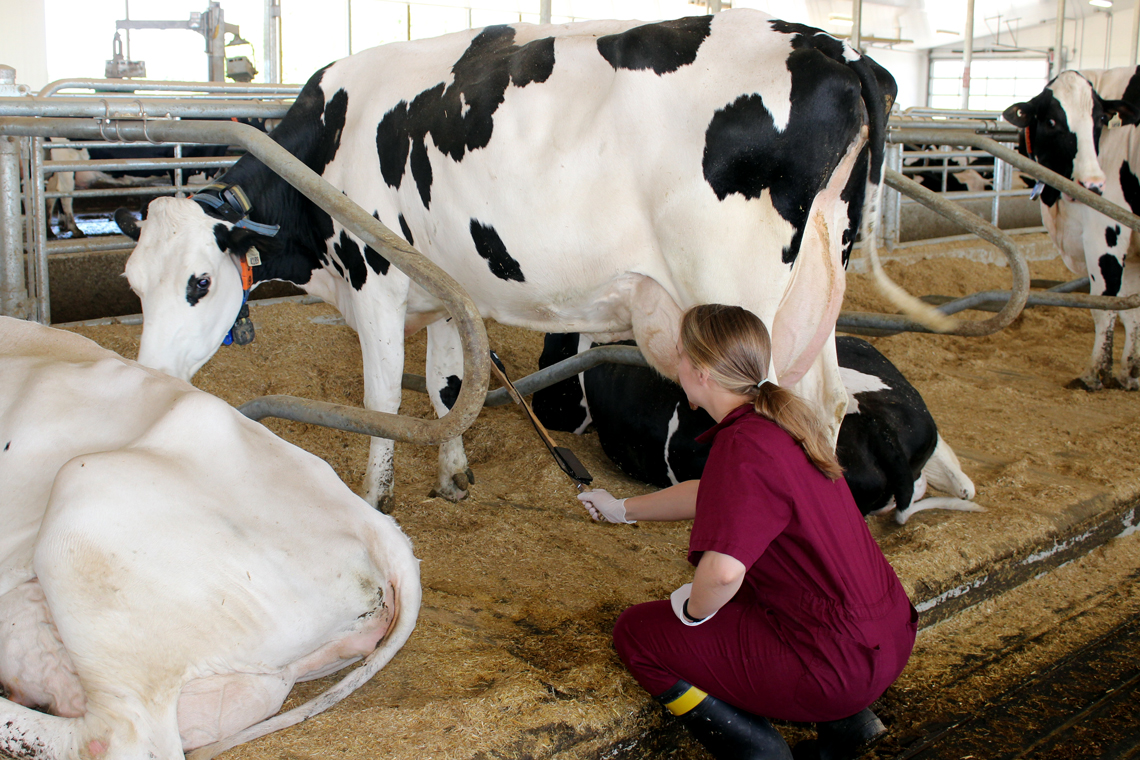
(718, 578)
(679, 600)
(602, 506)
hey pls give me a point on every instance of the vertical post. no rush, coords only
(967, 55)
(216, 42)
(38, 212)
(888, 229)
(270, 45)
(13, 288)
(1135, 33)
(857, 25)
(714, 6)
(348, 29)
(409, 7)
(543, 11)
(1059, 41)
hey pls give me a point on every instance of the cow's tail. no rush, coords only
(404, 567)
(879, 91)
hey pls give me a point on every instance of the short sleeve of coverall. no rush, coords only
(742, 502)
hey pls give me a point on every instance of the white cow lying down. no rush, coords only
(168, 568)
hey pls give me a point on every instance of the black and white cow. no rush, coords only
(1064, 128)
(597, 177)
(889, 445)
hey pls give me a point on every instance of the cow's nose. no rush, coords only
(1096, 186)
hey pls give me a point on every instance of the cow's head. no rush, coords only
(1060, 128)
(186, 269)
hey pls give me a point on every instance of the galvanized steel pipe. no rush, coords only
(134, 86)
(1027, 165)
(155, 109)
(472, 334)
(13, 287)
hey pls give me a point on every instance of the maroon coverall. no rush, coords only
(821, 625)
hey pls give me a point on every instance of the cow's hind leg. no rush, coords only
(444, 379)
(1129, 374)
(1099, 370)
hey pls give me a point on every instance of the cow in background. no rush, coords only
(1083, 126)
(889, 446)
(169, 568)
(598, 177)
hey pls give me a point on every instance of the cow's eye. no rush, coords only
(1051, 122)
(203, 283)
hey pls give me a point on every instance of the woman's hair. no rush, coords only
(734, 347)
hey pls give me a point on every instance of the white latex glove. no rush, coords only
(602, 506)
(678, 599)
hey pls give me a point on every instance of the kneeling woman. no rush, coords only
(793, 613)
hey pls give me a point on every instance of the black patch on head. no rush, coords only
(744, 153)
(222, 236)
(1053, 143)
(663, 47)
(349, 253)
(459, 116)
(375, 260)
(405, 230)
(450, 392)
(196, 288)
(1130, 186)
(1112, 272)
(490, 246)
(1112, 235)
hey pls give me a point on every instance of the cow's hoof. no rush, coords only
(386, 503)
(1084, 384)
(461, 480)
(1128, 383)
(470, 476)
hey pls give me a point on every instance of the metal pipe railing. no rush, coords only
(154, 109)
(13, 286)
(143, 85)
(1019, 270)
(1027, 165)
(426, 274)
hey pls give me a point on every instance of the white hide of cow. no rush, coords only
(593, 184)
(1092, 244)
(168, 568)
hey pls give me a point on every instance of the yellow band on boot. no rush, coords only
(686, 701)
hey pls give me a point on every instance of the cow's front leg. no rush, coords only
(379, 321)
(822, 387)
(444, 379)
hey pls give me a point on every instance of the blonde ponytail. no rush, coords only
(734, 347)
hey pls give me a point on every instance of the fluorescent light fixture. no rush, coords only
(1101, 3)
(848, 21)
(947, 31)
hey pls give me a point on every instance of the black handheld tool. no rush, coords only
(563, 456)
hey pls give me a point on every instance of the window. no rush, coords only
(995, 83)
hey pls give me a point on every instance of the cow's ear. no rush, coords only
(235, 240)
(1019, 115)
(128, 224)
(1129, 114)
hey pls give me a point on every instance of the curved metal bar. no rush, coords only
(472, 334)
(1027, 165)
(133, 86)
(983, 229)
(555, 373)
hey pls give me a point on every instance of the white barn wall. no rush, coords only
(23, 40)
(909, 70)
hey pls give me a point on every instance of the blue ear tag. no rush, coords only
(1037, 190)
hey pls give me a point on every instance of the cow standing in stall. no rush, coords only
(889, 445)
(168, 568)
(597, 177)
(1070, 127)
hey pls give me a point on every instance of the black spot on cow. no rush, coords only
(490, 246)
(406, 231)
(1112, 272)
(459, 116)
(337, 267)
(7, 445)
(375, 260)
(1112, 235)
(450, 392)
(663, 47)
(745, 153)
(810, 37)
(196, 288)
(348, 252)
(1130, 186)
(853, 195)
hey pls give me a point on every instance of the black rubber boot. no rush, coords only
(727, 732)
(844, 739)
